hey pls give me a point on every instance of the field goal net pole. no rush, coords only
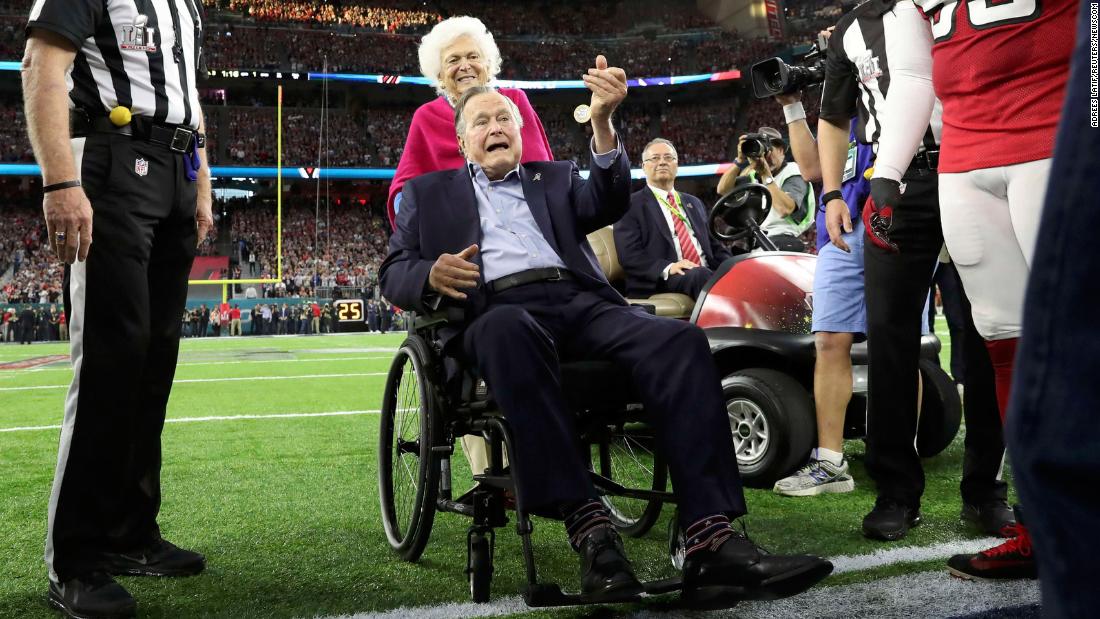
(224, 283)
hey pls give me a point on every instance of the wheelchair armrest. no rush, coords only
(438, 318)
(648, 307)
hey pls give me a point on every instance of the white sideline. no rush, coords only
(221, 418)
(925, 595)
(910, 554)
(216, 380)
(39, 370)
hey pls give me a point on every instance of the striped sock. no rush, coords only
(707, 534)
(584, 518)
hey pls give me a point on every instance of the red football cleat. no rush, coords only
(1012, 559)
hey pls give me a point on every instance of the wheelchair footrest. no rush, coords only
(659, 587)
(547, 594)
(550, 594)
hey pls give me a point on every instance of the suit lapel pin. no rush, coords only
(538, 176)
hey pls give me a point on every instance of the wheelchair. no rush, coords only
(423, 414)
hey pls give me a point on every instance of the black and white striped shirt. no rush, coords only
(867, 43)
(140, 54)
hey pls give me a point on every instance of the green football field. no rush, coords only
(284, 503)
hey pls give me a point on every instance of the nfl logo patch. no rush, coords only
(141, 167)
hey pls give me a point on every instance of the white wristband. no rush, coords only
(794, 112)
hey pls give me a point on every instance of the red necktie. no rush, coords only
(687, 248)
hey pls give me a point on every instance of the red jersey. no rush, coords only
(1000, 70)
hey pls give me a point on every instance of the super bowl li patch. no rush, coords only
(138, 36)
(141, 167)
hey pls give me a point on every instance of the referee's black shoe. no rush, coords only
(992, 517)
(92, 596)
(159, 558)
(890, 520)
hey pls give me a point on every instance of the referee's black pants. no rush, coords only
(125, 304)
(896, 288)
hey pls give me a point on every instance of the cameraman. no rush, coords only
(761, 158)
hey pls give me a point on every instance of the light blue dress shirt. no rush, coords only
(511, 240)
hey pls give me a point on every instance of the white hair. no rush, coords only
(445, 33)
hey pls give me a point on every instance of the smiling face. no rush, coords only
(492, 134)
(463, 67)
(659, 165)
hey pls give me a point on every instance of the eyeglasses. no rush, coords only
(665, 158)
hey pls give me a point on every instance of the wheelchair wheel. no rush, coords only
(408, 468)
(628, 458)
(479, 571)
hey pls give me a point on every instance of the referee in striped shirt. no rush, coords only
(113, 115)
(901, 219)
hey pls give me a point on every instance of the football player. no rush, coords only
(1000, 71)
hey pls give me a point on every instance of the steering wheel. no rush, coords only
(740, 212)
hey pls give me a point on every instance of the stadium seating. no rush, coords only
(538, 41)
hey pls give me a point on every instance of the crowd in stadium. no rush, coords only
(36, 274)
(340, 246)
(295, 35)
(574, 18)
(402, 17)
(556, 57)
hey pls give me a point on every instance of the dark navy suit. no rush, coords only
(517, 337)
(646, 246)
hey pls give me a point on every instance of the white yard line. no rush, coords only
(926, 595)
(216, 380)
(220, 418)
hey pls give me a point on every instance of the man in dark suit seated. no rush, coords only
(664, 240)
(507, 243)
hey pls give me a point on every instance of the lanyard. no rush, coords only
(676, 209)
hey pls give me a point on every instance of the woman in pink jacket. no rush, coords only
(457, 54)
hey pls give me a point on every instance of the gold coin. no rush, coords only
(582, 113)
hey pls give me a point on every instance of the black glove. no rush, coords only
(878, 212)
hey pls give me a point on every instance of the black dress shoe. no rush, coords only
(992, 517)
(160, 558)
(890, 520)
(606, 573)
(91, 596)
(739, 570)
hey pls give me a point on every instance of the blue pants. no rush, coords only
(1053, 425)
(517, 344)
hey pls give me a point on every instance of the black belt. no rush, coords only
(174, 137)
(530, 276)
(926, 160)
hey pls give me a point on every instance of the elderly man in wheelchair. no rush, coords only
(494, 258)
